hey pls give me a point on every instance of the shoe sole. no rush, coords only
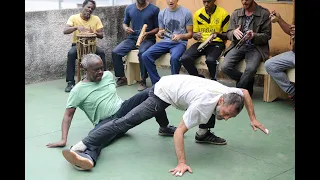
(77, 160)
(209, 142)
(165, 134)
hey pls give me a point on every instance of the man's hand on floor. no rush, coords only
(60, 143)
(180, 169)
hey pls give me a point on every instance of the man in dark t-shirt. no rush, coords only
(136, 14)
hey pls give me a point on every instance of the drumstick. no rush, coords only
(143, 30)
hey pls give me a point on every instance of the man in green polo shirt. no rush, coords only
(96, 95)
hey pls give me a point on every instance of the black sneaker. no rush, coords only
(69, 86)
(167, 131)
(142, 85)
(79, 160)
(210, 138)
(121, 81)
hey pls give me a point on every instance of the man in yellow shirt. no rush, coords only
(206, 21)
(82, 22)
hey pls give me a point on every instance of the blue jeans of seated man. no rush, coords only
(149, 57)
(123, 49)
(252, 58)
(276, 67)
(125, 109)
(104, 134)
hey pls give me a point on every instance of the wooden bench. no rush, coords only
(271, 89)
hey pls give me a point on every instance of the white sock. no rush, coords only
(201, 132)
(79, 147)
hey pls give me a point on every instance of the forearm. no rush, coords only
(153, 32)
(99, 34)
(261, 38)
(284, 26)
(65, 126)
(124, 26)
(222, 36)
(186, 36)
(68, 30)
(249, 105)
(179, 146)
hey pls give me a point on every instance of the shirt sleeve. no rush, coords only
(99, 24)
(70, 21)
(189, 21)
(195, 23)
(74, 100)
(155, 19)
(127, 18)
(199, 112)
(225, 22)
(160, 19)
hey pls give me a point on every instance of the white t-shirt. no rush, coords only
(197, 96)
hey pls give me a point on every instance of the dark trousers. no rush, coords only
(212, 53)
(123, 49)
(210, 124)
(132, 112)
(71, 64)
(252, 58)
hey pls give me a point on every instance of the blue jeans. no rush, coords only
(276, 68)
(107, 126)
(149, 57)
(123, 49)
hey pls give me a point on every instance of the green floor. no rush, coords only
(142, 154)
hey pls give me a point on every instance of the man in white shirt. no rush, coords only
(200, 98)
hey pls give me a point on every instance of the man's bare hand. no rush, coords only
(160, 34)
(129, 30)
(176, 37)
(197, 36)
(60, 143)
(237, 33)
(144, 35)
(180, 169)
(250, 34)
(256, 124)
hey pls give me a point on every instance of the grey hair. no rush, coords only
(87, 60)
(234, 99)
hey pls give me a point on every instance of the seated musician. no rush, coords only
(207, 20)
(137, 14)
(175, 28)
(83, 22)
(279, 64)
(252, 22)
